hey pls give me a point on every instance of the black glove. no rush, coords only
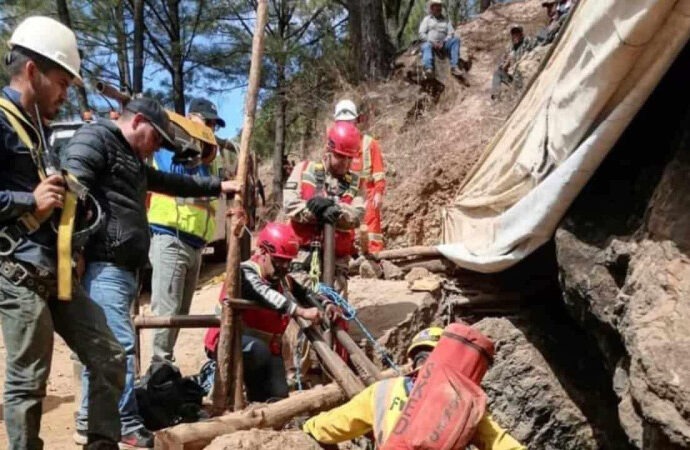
(332, 214)
(319, 205)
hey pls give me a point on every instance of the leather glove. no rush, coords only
(332, 214)
(318, 206)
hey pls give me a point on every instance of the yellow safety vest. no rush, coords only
(195, 216)
(389, 400)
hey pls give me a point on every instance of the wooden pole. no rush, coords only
(336, 367)
(193, 436)
(229, 364)
(409, 252)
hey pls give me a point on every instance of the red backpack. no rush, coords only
(446, 403)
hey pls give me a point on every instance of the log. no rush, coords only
(409, 252)
(433, 265)
(229, 363)
(366, 369)
(335, 366)
(195, 436)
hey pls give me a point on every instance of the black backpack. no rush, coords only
(165, 398)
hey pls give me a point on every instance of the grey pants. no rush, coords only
(28, 322)
(173, 282)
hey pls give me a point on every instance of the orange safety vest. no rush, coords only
(313, 183)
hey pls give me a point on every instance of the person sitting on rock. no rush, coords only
(557, 12)
(506, 72)
(378, 407)
(437, 33)
(265, 280)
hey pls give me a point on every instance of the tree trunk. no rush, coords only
(121, 37)
(63, 14)
(176, 53)
(376, 50)
(279, 146)
(355, 27)
(138, 57)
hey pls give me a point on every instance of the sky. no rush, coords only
(230, 106)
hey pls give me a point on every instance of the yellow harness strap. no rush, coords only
(69, 210)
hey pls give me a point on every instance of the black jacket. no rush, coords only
(102, 160)
(18, 179)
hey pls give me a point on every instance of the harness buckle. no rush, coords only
(7, 243)
(14, 273)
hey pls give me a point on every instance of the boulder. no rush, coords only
(623, 253)
(417, 273)
(264, 440)
(527, 397)
(391, 271)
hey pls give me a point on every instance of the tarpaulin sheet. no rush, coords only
(609, 59)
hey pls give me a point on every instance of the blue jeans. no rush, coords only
(114, 289)
(450, 46)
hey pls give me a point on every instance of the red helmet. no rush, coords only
(279, 240)
(344, 139)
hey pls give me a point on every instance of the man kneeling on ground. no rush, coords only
(265, 280)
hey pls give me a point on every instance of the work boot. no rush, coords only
(80, 437)
(428, 73)
(458, 72)
(140, 438)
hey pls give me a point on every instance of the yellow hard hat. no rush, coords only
(428, 337)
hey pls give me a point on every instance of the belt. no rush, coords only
(25, 275)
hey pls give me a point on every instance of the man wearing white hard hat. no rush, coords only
(369, 165)
(437, 33)
(42, 63)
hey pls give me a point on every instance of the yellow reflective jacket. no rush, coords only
(377, 409)
(194, 216)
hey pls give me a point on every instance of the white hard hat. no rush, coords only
(435, 2)
(50, 39)
(345, 110)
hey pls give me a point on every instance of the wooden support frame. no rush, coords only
(229, 358)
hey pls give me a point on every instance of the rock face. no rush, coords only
(531, 390)
(264, 440)
(625, 270)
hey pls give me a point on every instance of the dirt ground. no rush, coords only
(59, 406)
(381, 304)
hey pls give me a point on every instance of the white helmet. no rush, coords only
(50, 39)
(345, 110)
(436, 2)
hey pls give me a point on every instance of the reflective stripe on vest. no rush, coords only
(195, 216)
(390, 397)
(366, 158)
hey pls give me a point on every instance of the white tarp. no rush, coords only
(611, 56)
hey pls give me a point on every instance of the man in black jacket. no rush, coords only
(108, 158)
(42, 63)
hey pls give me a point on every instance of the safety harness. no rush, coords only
(12, 234)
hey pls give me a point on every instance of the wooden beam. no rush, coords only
(226, 366)
(409, 252)
(196, 436)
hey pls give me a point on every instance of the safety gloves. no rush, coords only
(324, 209)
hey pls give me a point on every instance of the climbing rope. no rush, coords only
(315, 268)
(350, 314)
(297, 360)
